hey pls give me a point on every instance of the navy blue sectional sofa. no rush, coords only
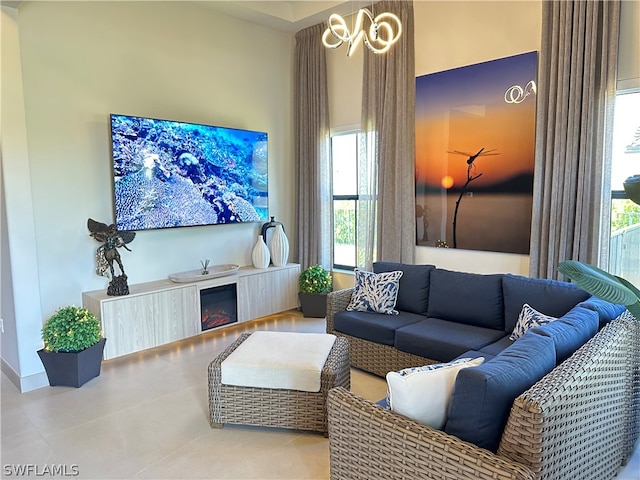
(445, 314)
(526, 412)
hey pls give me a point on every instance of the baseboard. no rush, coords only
(24, 384)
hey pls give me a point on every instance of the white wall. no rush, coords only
(447, 35)
(20, 291)
(81, 61)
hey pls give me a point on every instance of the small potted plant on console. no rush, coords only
(73, 346)
(314, 283)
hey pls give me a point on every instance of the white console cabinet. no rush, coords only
(162, 311)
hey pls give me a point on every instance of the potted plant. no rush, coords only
(314, 283)
(73, 346)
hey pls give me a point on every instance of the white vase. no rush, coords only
(260, 256)
(279, 247)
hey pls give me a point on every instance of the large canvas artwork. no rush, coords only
(475, 140)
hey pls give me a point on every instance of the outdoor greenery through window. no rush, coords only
(344, 156)
(624, 251)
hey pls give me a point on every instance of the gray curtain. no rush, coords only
(388, 127)
(312, 137)
(576, 89)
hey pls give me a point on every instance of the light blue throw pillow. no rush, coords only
(375, 292)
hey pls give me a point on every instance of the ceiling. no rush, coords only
(285, 16)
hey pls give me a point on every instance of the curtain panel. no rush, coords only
(576, 90)
(312, 149)
(386, 219)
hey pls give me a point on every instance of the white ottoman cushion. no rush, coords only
(285, 360)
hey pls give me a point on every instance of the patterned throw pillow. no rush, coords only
(375, 292)
(422, 393)
(529, 317)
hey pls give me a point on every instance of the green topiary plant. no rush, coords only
(315, 279)
(71, 329)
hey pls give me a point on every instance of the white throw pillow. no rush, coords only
(529, 317)
(375, 292)
(422, 393)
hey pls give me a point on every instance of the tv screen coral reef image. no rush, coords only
(174, 174)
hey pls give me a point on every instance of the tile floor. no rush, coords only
(146, 417)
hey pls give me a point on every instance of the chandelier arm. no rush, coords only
(386, 22)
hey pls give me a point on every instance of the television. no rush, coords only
(175, 174)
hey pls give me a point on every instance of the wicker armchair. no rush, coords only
(578, 422)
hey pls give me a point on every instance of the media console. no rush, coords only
(163, 311)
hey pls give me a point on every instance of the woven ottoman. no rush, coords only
(276, 407)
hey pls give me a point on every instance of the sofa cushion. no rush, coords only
(571, 331)
(375, 292)
(468, 298)
(496, 347)
(607, 311)
(529, 317)
(422, 393)
(413, 294)
(475, 354)
(553, 297)
(482, 396)
(373, 326)
(443, 340)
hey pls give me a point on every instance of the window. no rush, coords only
(344, 157)
(624, 250)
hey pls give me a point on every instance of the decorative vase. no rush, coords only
(260, 255)
(279, 247)
(267, 233)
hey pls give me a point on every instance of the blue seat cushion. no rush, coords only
(475, 354)
(496, 347)
(413, 294)
(468, 298)
(375, 327)
(571, 331)
(443, 340)
(482, 396)
(550, 297)
(606, 311)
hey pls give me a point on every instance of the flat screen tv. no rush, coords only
(175, 174)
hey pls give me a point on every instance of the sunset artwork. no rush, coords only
(475, 140)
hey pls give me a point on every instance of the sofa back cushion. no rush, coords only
(571, 331)
(469, 298)
(482, 396)
(606, 311)
(551, 297)
(413, 294)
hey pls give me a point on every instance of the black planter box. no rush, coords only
(73, 369)
(313, 304)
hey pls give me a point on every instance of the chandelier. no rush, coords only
(384, 30)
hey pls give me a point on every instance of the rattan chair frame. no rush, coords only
(281, 408)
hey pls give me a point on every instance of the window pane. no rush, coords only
(344, 156)
(626, 139)
(624, 251)
(344, 232)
